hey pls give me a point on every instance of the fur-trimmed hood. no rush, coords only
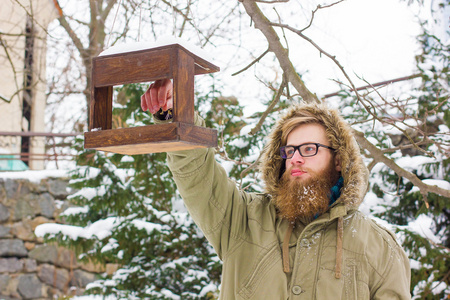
(354, 171)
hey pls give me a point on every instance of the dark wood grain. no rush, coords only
(133, 67)
(183, 88)
(143, 66)
(101, 108)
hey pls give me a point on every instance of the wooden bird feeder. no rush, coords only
(169, 61)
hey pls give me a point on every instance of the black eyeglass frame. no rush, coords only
(297, 148)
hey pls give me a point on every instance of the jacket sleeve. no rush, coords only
(213, 200)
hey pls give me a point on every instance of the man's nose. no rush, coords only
(297, 158)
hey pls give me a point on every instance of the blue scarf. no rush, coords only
(336, 190)
(335, 193)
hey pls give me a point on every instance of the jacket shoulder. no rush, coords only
(259, 202)
(261, 211)
(385, 234)
(373, 233)
(258, 198)
(379, 244)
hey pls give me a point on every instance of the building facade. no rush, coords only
(23, 31)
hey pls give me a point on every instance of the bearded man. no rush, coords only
(304, 238)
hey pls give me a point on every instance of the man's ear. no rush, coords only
(337, 163)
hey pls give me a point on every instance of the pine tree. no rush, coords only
(429, 253)
(420, 139)
(125, 208)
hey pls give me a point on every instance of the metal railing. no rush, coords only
(50, 144)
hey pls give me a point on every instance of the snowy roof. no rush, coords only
(165, 41)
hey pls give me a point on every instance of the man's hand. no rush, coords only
(159, 95)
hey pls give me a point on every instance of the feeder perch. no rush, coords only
(169, 61)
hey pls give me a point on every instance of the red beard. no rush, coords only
(304, 199)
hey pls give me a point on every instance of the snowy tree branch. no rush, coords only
(378, 155)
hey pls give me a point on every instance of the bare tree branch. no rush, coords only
(252, 63)
(5, 47)
(73, 36)
(264, 25)
(381, 83)
(12, 34)
(314, 13)
(31, 14)
(212, 32)
(188, 7)
(105, 13)
(321, 51)
(270, 108)
(271, 1)
(253, 166)
(176, 9)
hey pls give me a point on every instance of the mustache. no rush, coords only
(303, 169)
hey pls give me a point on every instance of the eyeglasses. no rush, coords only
(305, 150)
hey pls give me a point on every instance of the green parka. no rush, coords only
(340, 255)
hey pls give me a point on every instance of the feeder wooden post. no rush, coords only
(170, 61)
(100, 112)
(183, 88)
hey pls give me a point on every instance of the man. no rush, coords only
(304, 238)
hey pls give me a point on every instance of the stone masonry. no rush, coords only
(30, 268)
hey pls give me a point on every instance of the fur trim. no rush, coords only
(354, 171)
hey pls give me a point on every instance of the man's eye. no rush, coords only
(309, 149)
(290, 151)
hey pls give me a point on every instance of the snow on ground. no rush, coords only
(101, 229)
(94, 297)
(34, 176)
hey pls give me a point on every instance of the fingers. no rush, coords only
(153, 102)
(159, 95)
(165, 94)
(145, 99)
(162, 98)
(168, 105)
(143, 103)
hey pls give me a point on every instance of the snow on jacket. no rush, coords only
(340, 255)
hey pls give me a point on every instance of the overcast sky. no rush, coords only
(375, 40)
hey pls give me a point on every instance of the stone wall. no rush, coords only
(29, 268)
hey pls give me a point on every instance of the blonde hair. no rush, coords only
(293, 123)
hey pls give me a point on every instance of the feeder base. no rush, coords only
(156, 138)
